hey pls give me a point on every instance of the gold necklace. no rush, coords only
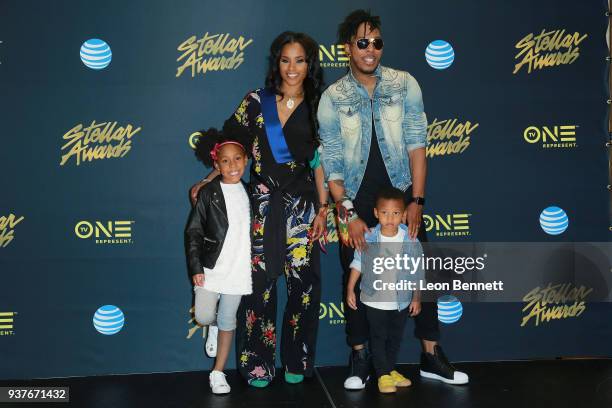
(290, 102)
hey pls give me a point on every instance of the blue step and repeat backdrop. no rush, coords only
(101, 102)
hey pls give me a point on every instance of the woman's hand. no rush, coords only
(319, 225)
(195, 189)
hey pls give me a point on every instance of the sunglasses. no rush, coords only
(364, 43)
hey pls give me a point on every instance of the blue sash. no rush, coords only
(274, 130)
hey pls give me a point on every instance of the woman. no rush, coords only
(278, 124)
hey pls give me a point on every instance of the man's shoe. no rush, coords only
(400, 380)
(437, 367)
(386, 385)
(217, 382)
(359, 370)
(211, 341)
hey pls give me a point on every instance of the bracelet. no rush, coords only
(347, 203)
(205, 180)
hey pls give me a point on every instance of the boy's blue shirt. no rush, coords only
(412, 248)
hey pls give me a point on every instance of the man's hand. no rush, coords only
(414, 308)
(356, 230)
(413, 216)
(198, 279)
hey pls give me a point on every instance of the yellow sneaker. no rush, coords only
(400, 380)
(386, 385)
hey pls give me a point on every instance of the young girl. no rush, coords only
(219, 246)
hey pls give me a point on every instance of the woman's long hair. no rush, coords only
(314, 78)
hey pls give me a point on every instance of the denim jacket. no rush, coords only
(412, 248)
(345, 127)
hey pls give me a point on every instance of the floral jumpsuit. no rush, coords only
(256, 332)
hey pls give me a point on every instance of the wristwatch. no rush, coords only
(418, 200)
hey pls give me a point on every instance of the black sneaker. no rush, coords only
(359, 370)
(436, 366)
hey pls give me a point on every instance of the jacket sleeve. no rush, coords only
(414, 126)
(331, 139)
(194, 236)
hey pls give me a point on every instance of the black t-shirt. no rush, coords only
(374, 179)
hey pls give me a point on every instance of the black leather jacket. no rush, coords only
(207, 227)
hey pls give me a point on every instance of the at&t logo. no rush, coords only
(105, 232)
(450, 309)
(334, 312)
(333, 56)
(7, 320)
(96, 54)
(560, 137)
(448, 225)
(108, 320)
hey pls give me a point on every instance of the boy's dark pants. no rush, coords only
(386, 332)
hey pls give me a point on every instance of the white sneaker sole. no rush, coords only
(221, 392)
(443, 379)
(351, 387)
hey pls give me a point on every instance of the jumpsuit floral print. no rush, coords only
(256, 333)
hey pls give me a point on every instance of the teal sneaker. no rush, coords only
(293, 378)
(259, 383)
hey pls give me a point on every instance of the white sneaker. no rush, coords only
(217, 382)
(211, 341)
(355, 383)
(459, 377)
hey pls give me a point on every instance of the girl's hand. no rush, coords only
(198, 279)
(319, 225)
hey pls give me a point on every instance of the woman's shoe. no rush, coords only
(293, 378)
(259, 383)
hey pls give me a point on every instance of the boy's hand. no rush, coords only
(414, 308)
(198, 279)
(351, 299)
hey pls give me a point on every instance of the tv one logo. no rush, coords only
(560, 137)
(333, 56)
(333, 312)
(105, 232)
(448, 225)
(7, 321)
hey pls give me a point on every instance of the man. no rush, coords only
(373, 131)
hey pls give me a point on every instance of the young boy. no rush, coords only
(386, 310)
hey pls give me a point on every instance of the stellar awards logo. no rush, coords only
(212, 52)
(98, 141)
